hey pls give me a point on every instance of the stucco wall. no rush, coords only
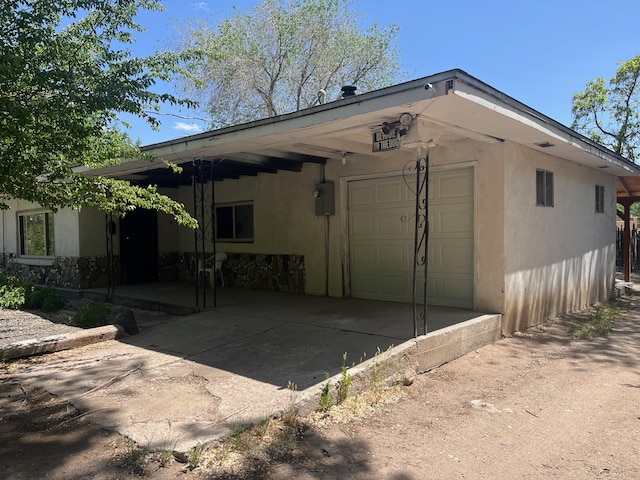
(558, 258)
(92, 234)
(65, 225)
(168, 228)
(488, 162)
(284, 208)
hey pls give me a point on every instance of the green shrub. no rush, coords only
(42, 298)
(16, 293)
(91, 315)
(12, 294)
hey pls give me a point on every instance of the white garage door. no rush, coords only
(381, 236)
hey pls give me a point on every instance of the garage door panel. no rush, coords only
(449, 291)
(454, 188)
(374, 287)
(361, 194)
(455, 219)
(390, 193)
(390, 256)
(450, 256)
(451, 221)
(381, 237)
(364, 255)
(383, 223)
(390, 223)
(362, 225)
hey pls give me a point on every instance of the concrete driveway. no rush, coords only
(189, 379)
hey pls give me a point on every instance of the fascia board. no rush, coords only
(472, 90)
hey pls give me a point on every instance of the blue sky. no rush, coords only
(539, 52)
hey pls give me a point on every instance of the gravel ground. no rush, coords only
(17, 326)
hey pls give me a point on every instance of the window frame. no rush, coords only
(48, 232)
(599, 197)
(544, 188)
(236, 237)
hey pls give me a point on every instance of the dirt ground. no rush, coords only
(536, 405)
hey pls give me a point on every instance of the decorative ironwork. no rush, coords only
(420, 170)
(203, 200)
(110, 231)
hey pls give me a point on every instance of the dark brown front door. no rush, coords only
(139, 247)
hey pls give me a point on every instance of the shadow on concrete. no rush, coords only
(189, 379)
(276, 337)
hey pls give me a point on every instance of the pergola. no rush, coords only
(628, 192)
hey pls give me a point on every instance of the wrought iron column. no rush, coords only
(213, 234)
(420, 168)
(110, 232)
(202, 174)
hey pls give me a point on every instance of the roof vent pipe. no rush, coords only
(348, 91)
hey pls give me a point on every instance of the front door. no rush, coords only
(139, 247)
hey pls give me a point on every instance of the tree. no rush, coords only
(66, 78)
(283, 56)
(610, 114)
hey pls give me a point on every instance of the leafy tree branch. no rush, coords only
(610, 113)
(66, 79)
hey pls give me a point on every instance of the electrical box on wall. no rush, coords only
(324, 194)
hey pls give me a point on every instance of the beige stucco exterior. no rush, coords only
(65, 224)
(529, 262)
(562, 258)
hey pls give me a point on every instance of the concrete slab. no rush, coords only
(190, 379)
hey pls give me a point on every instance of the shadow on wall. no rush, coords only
(534, 295)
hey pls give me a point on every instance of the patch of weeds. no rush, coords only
(91, 315)
(600, 322)
(290, 414)
(345, 383)
(165, 454)
(248, 451)
(165, 457)
(380, 369)
(135, 459)
(326, 400)
(195, 456)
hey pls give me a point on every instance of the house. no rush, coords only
(521, 209)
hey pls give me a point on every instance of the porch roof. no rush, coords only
(628, 189)
(446, 107)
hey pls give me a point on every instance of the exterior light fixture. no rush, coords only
(406, 119)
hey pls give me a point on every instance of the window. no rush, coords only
(36, 234)
(544, 188)
(599, 198)
(235, 222)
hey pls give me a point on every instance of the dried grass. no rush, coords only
(357, 407)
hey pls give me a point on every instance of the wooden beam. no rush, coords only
(627, 239)
(625, 186)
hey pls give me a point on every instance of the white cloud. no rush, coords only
(202, 6)
(187, 127)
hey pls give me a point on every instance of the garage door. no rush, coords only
(381, 236)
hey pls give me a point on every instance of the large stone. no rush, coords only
(127, 321)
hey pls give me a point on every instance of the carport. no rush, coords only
(353, 132)
(191, 378)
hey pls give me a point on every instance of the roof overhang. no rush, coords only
(448, 106)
